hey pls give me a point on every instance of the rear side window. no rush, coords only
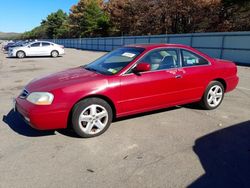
(45, 44)
(192, 59)
(37, 44)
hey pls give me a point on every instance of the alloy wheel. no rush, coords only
(20, 55)
(214, 96)
(93, 119)
(54, 54)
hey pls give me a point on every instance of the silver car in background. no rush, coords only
(37, 48)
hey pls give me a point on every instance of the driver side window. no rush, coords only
(37, 44)
(161, 59)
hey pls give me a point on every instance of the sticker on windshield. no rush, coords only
(128, 54)
(112, 70)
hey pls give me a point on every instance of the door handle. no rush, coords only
(178, 76)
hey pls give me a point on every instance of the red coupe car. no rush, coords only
(129, 80)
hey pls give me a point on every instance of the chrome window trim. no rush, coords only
(162, 70)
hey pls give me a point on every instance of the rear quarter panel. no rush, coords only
(227, 71)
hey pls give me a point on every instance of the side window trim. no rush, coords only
(180, 57)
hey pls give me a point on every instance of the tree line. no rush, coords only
(98, 18)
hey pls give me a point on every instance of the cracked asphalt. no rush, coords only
(177, 147)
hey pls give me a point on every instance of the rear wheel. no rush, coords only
(20, 54)
(91, 117)
(213, 95)
(54, 53)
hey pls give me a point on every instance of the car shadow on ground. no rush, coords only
(193, 106)
(146, 113)
(225, 157)
(17, 124)
(32, 57)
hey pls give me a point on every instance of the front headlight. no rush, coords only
(40, 98)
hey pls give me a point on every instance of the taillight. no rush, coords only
(62, 46)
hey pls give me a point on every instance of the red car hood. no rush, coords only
(63, 79)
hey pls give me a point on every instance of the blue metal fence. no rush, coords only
(233, 46)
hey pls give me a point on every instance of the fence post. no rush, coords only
(112, 43)
(167, 39)
(149, 39)
(79, 43)
(98, 43)
(222, 46)
(105, 43)
(191, 40)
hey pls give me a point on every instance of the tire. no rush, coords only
(20, 54)
(213, 95)
(91, 117)
(54, 53)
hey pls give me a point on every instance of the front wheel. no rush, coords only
(54, 53)
(213, 96)
(91, 117)
(20, 54)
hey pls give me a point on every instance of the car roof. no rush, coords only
(32, 42)
(42, 41)
(151, 46)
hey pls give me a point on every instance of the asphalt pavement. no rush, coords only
(182, 146)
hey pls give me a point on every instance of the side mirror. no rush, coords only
(28, 46)
(142, 67)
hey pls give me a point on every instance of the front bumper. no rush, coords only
(61, 52)
(11, 54)
(47, 117)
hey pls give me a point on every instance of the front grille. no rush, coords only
(24, 94)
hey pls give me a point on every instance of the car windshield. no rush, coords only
(114, 61)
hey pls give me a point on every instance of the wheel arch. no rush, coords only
(54, 50)
(103, 97)
(222, 81)
(21, 51)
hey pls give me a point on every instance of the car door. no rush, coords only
(155, 88)
(34, 49)
(194, 75)
(46, 48)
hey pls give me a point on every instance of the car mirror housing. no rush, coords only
(142, 67)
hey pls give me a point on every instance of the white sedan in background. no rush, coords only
(38, 48)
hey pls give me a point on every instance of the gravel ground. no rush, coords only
(177, 147)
